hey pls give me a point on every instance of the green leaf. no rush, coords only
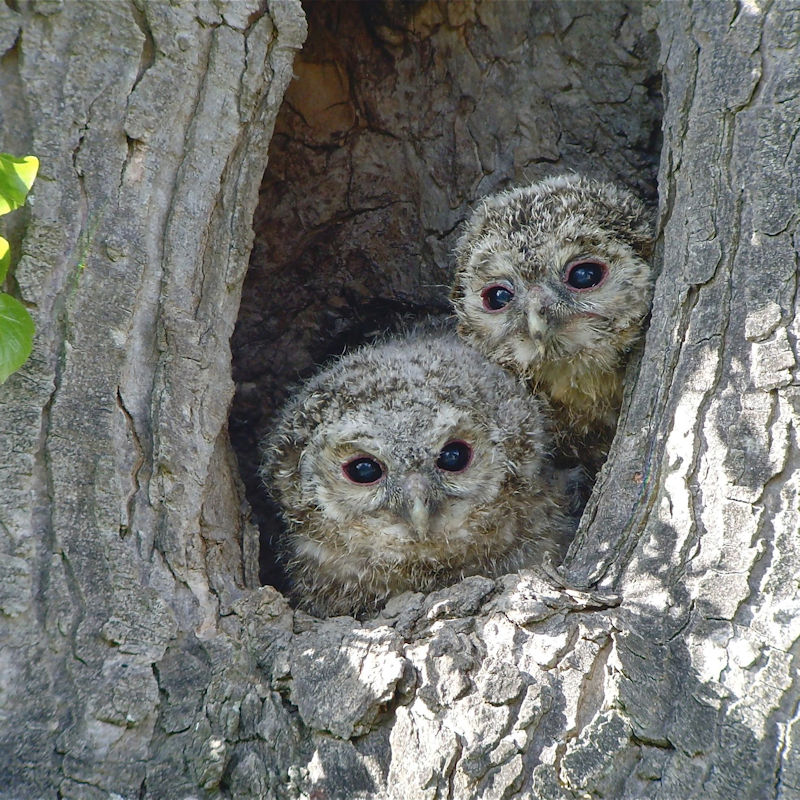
(5, 259)
(16, 178)
(16, 335)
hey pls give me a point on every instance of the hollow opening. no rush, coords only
(400, 117)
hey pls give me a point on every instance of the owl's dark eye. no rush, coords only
(455, 456)
(497, 296)
(362, 469)
(585, 274)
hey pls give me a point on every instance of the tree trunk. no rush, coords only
(139, 660)
(121, 527)
(696, 522)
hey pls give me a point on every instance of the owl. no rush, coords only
(553, 282)
(410, 464)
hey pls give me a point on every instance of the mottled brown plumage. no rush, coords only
(553, 282)
(409, 464)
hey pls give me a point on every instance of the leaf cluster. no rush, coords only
(16, 326)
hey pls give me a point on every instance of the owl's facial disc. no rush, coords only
(543, 317)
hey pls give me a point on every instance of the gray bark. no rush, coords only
(697, 519)
(120, 524)
(139, 659)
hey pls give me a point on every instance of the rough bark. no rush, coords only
(120, 523)
(137, 659)
(697, 518)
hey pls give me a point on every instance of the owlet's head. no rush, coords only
(409, 464)
(555, 275)
(404, 441)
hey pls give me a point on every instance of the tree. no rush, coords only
(139, 657)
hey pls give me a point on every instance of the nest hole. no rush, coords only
(400, 117)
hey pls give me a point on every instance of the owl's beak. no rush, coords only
(417, 504)
(419, 515)
(539, 314)
(537, 326)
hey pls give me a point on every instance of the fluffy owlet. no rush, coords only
(553, 282)
(409, 464)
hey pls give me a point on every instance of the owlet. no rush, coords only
(553, 282)
(409, 464)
